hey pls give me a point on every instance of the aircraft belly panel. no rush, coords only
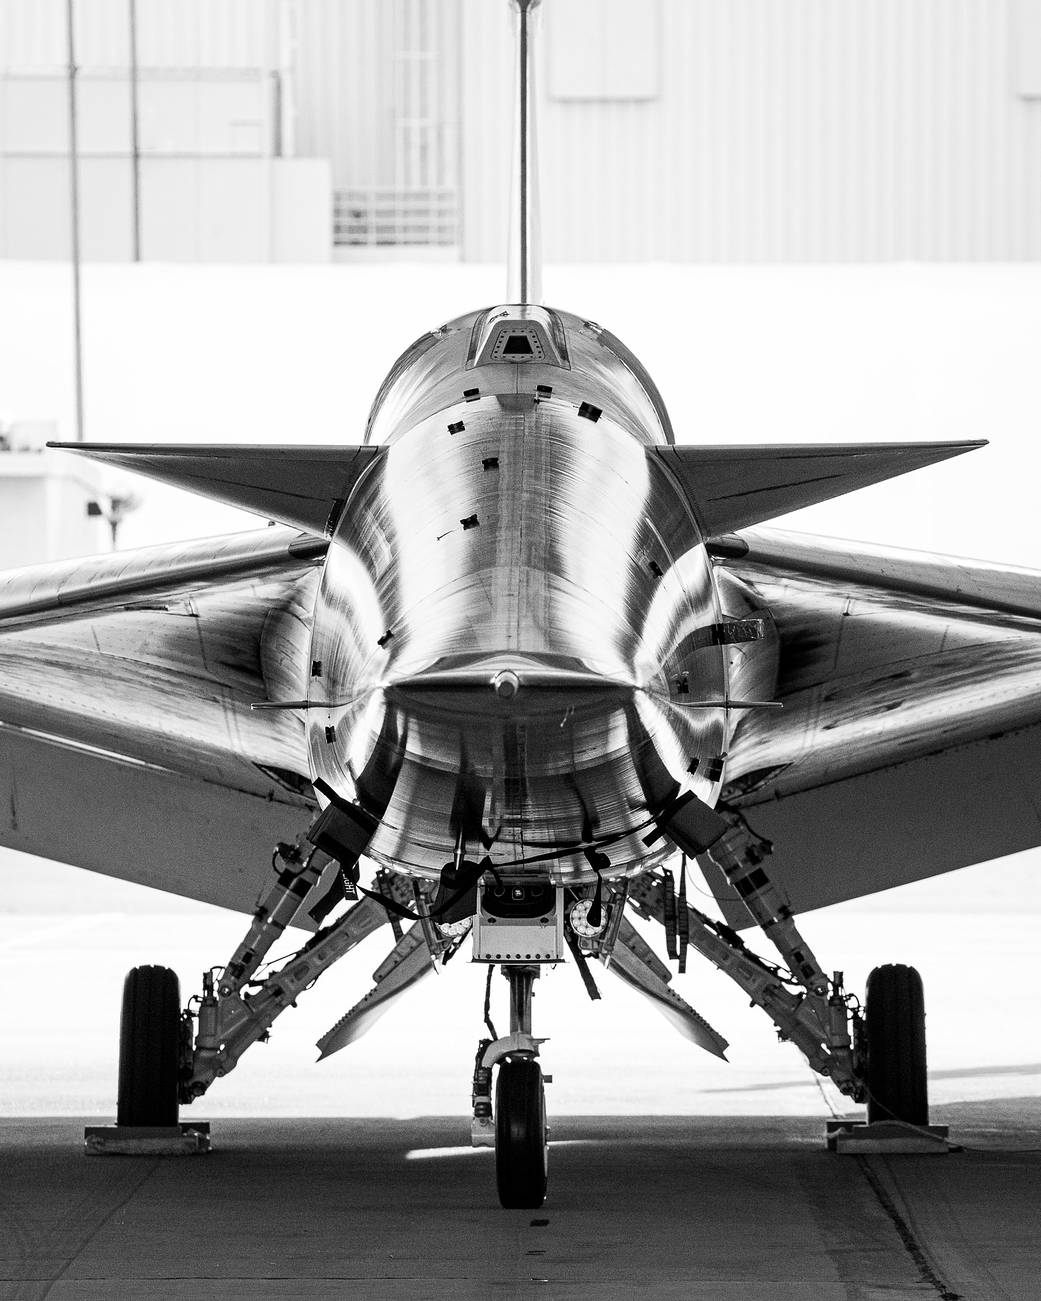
(141, 823)
(899, 822)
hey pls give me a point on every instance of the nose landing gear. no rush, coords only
(519, 925)
(520, 1134)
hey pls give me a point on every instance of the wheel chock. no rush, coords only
(190, 1139)
(888, 1137)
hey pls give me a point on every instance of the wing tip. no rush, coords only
(86, 449)
(956, 446)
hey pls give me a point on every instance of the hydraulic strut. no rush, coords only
(229, 1020)
(739, 854)
(292, 886)
(823, 1026)
(490, 1052)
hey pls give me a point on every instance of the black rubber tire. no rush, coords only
(896, 1062)
(149, 1048)
(520, 1134)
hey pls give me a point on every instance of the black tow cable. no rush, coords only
(581, 965)
(488, 1008)
(599, 863)
(467, 875)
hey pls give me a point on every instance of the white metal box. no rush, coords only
(520, 919)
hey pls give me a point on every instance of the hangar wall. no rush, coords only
(674, 130)
(775, 130)
(691, 130)
(378, 93)
(217, 181)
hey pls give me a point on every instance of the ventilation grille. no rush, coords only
(386, 217)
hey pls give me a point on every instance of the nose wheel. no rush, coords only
(521, 1133)
(521, 1143)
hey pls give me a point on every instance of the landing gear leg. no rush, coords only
(521, 1144)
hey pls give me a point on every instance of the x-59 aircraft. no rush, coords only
(497, 670)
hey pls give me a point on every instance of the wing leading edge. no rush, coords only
(306, 487)
(78, 588)
(733, 487)
(729, 487)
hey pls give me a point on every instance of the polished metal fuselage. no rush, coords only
(508, 652)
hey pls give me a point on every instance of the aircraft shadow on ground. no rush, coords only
(951, 1073)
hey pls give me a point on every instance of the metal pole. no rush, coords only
(74, 195)
(522, 980)
(525, 271)
(524, 110)
(135, 146)
(287, 29)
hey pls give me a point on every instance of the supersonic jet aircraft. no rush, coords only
(511, 661)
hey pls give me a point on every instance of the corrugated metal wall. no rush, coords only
(345, 110)
(747, 130)
(783, 130)
(213, 125)
(170, 33)
(378, 94)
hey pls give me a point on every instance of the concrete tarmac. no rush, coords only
(713, 1208)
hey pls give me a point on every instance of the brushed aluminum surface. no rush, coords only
(515, 526)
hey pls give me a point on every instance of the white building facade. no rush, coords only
(671, 130)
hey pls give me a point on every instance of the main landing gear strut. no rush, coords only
(519, 924)
(164, 1062)
(876, 1056)
(517, 1128)
(521, 1133)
